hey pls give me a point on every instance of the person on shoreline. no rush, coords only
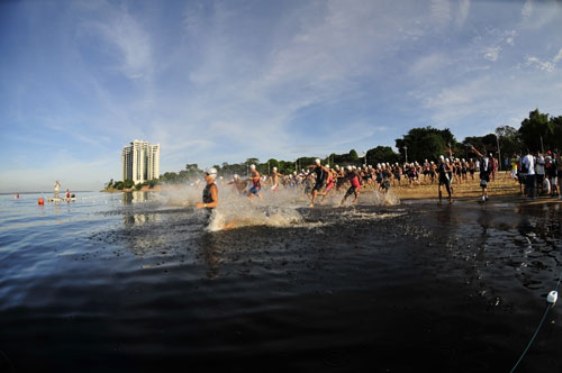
(486, 169)
(550, 172)
(558, 161)
(443, 170)
(210, 192)
(528, 168)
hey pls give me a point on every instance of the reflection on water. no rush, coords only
(329, 289)
(136, 197)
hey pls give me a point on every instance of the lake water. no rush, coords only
(138, 282)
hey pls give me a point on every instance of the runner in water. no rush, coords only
(443, 172)
(321, 173)
(353, 178)
(210, 192)
(255, 179)
(239, 184)
(275, 178)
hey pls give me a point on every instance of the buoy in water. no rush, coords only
(40, 201)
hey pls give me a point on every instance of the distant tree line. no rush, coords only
(538, 132)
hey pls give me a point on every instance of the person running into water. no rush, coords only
(275, 178)
(255, 179)
(321, 173)
(239, 184)
(443, 177)
(330, 182)
(355, 182)
(210, 192)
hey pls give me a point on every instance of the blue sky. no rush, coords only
(223, 81)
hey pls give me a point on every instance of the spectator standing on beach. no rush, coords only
(540, 173)
(443, 178)
(550, 172)
(528, 168)
(558, 161)
(486, 168)
(495, 165)
(210, 192)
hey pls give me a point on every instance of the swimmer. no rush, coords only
(444, 178)
(275, 178)
(239, 184)
(210, 192)
(353, 178)
(255, 179)
(321, 173)
(330, 182)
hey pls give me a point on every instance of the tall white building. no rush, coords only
(141, 161)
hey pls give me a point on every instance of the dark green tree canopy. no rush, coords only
(422, 143)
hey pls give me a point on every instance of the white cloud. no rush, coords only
(492, 54)
(539, 64)
(558, 57)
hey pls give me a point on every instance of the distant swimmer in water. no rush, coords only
(210, 192)
(321, 173)
(255, 179)
(57, 189)
(353, 178)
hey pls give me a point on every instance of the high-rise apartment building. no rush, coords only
(141, 161)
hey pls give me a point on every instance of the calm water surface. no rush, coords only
(122, 282)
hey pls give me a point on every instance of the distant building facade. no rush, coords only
(141, 161)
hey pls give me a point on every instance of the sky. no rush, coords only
(224, 81)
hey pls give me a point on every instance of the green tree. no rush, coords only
(537, 131)
(422, 143)
(381, 154)
(556, 141)
(509, 140)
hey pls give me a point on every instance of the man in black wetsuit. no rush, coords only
(211, 191)
(321, 173)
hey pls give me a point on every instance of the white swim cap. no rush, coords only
(211, 171)
(274, 169)
(317, 161)
(349, 168)
(442, 158)
(252, 167)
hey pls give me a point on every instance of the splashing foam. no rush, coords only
(274, 208)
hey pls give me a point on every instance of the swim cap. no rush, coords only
(274, 169)
(252, 167)
(349, 168)
(211, 171)
(317, 161)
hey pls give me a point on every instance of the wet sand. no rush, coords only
(407, 288)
